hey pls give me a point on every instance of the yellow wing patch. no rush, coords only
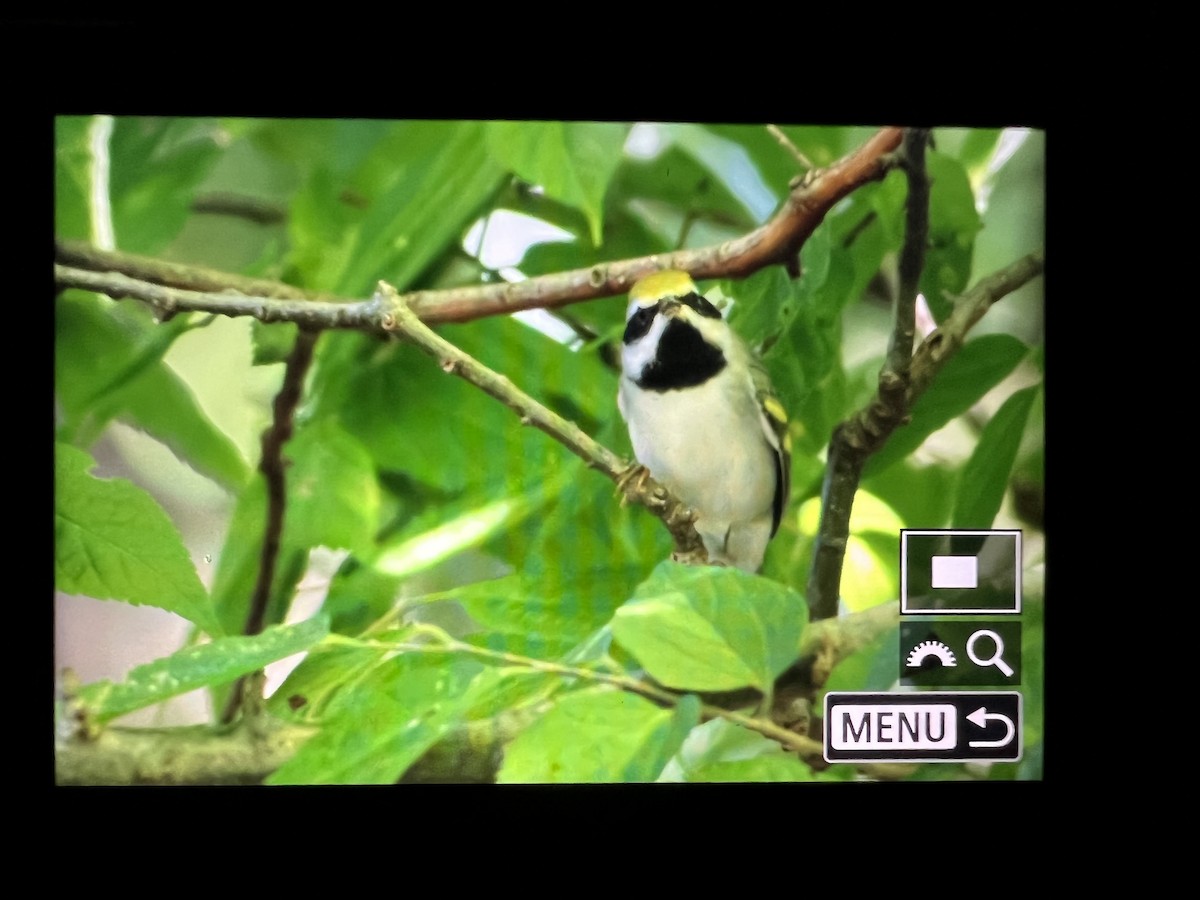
(668, 283)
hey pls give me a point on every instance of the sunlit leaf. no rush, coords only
(156, 167)
(572, 161)
(218, 662)
(711, 629)
(978, 367)
(109, 366)
(374, 731)
(599, 736)
(985, 477)
(113, 542)
(332, 491)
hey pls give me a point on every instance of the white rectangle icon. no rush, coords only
(954, 572)
(893, 726)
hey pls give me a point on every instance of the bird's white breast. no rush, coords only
(706, 444)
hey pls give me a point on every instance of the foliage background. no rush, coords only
(405, 483)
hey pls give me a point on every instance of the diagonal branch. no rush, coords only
(403, 322)
(776, 242)
(867, 431)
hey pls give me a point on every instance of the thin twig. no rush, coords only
(446, 644)
(253, 209)
(273, 467)
(776, 132)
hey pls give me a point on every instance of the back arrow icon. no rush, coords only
(980, 718)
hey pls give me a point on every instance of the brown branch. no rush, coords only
(865, 433)
(168, 301)
(273, 466)
(776, 242)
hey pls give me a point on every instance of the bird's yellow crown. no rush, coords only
(667, 283)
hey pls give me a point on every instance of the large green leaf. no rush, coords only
(591, 552)
(711, 629)
(978, 367)
(599, 736)
(218, 662)
(374, 731)
(332, 491)
(571, 161)
(157, 164)
(113, 542)
(671, 187)
(985, 477)
(953, 224)
(152, 168)
(730, 164)
(108, 364)
(399, 208)
(517, 619)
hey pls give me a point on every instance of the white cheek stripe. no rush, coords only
(636, 356)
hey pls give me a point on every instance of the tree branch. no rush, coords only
(866, 432)
(678, 518)
(775, 242)
(273, 467)
(254, 747)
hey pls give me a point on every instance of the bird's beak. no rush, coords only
(670, 308)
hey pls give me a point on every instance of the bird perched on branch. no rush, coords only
(703, 417)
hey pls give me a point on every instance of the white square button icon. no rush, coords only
(954, 572)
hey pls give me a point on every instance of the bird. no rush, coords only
(703, 417)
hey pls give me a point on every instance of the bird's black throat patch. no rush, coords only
(684, 359)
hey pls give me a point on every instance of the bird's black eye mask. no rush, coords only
(639, 323)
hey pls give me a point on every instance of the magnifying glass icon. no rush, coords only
(995, 659)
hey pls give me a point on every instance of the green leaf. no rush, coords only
(333, 496)
(599, 736)
(763, 304)
(729, 162)
(953, 224)
(985, 477)
(519, 619)
(156, 166)
(374, 731)
(978, 367)
(113, 542)
(326, 671)
(388, 214)
(711, 629)
(218, 662)
(571, 161)
(450, 528)
(108, 364)
(72, 177)
(591, 552)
